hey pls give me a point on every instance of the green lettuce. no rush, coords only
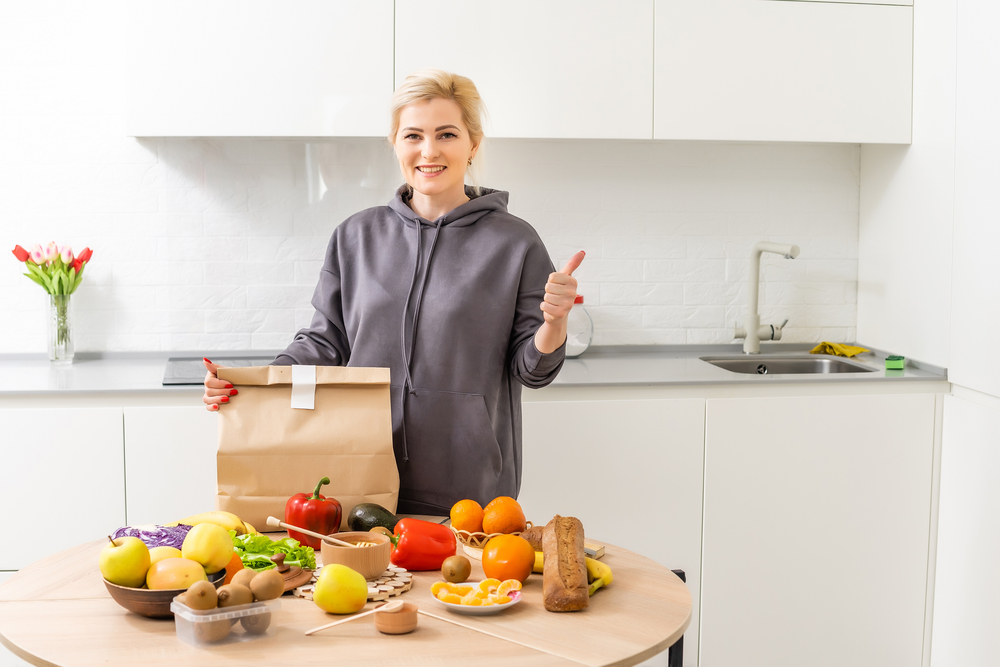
(256, 550)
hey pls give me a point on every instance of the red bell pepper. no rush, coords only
(313, 512)
(421, 545)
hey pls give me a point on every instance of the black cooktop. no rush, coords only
(191, 370)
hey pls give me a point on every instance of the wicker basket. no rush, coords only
(477, 541)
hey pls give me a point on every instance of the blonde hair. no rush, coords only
(430, 84)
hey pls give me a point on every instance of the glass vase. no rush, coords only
(60, 329)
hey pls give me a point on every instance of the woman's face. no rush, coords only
(433, 147)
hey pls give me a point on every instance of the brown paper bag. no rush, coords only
(269, 451)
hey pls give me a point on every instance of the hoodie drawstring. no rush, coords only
(408, 354)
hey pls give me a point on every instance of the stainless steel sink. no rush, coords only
(781, 365)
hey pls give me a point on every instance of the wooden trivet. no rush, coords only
(393, 582)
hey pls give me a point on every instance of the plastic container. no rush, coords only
(228, 625)
(579, 329)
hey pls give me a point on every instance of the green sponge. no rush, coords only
(895, 363)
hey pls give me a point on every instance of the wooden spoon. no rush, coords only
(389, 608)
(273, 521)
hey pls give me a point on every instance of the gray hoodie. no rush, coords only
(451, 308)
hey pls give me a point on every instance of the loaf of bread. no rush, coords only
(534, 537)
(564, 582)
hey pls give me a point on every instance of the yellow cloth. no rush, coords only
(839, 349)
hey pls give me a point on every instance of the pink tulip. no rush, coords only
(51, 251)
(66, 253)
(37, 254)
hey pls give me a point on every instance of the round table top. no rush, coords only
(57, 611)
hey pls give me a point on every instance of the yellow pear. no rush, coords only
(156, 554)
(340, 590)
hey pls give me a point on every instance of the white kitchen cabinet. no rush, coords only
(170, 466)
(61, 481)
(553, 69)
(756, 70)
(257, 68)
(816, 530)
(631, 471)
(967, 581)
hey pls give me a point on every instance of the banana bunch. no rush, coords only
(227, 520)
(598, 574)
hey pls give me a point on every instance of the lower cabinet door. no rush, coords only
(630, 470)
(170, 463)
(817, 514)
(61, 482)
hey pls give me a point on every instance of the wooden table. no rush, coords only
(58, 612)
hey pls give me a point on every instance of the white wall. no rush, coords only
(907, 207)
(216, 244)
(975, 319)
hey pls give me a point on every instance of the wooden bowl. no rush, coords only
(152, 603)
(371, 562)
(398, 622)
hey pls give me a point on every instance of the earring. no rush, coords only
(470, 161)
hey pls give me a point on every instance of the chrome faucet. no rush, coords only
(753, 332)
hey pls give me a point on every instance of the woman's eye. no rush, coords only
(448, 135)
(412, 136)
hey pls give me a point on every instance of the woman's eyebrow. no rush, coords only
(443, 127)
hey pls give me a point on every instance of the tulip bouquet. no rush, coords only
(59, 273)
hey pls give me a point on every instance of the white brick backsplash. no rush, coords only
(642, 294)
(275, 296)
(683, 270)
(216, 244)
(645, 247)
(715, 294)
(683, 317)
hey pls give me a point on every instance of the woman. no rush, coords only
(450, 291)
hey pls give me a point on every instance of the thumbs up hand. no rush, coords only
(560, 292)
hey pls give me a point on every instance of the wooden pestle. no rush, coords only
(277, 523)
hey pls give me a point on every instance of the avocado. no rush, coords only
(366, 516)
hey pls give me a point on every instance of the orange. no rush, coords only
(234, 565)
(503, 515)
(467, 515)
(508, 557)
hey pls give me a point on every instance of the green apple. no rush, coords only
(124, 561)
(340, 590)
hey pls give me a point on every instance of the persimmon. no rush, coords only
(508, 557)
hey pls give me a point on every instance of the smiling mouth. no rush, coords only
(430, 170)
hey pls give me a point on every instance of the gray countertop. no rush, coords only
(600, 366)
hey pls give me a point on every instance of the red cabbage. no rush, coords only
(156, 536)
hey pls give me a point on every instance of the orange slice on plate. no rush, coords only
(508, 586)
(489, 585)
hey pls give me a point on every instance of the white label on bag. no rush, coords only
(303, 387)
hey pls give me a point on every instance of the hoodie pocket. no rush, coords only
(452, 449)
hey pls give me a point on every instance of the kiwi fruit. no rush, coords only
(212, 631)
(267, 585)
(456, 569)
(232, 595)
(256, 625)
(244, 576)
(201, 595)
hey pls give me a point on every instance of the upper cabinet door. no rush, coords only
(555, 69)
(259, 68)
(761, 70)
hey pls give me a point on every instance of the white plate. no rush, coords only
(515, 597)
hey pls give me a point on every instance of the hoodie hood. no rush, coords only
(467, 214)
